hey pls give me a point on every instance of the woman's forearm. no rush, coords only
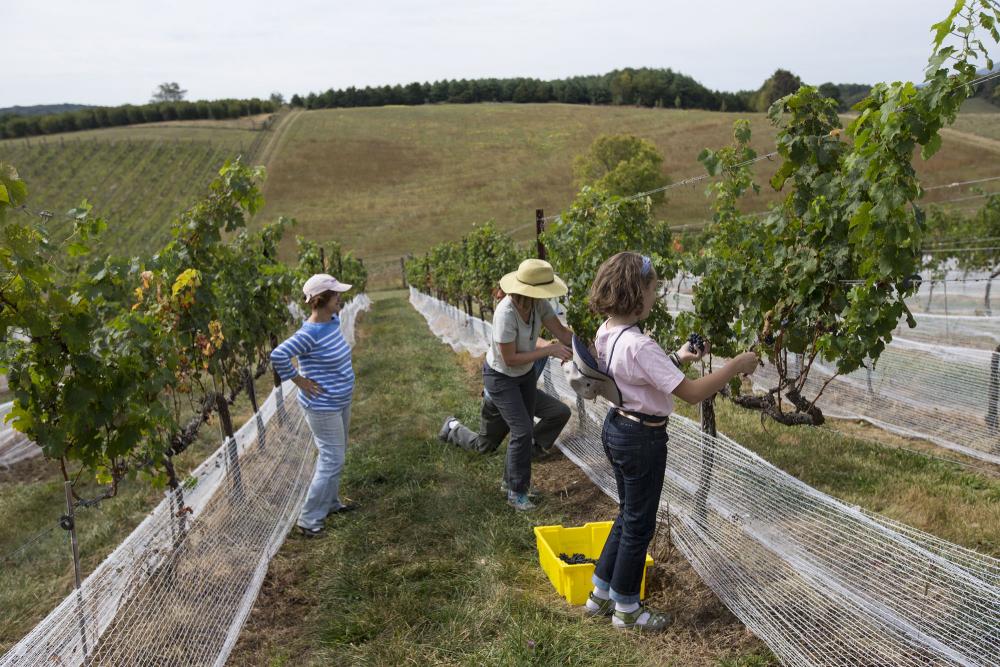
(563, 334)
(522, 358)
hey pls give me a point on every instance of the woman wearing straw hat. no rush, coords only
(508, 372)
(325, 379)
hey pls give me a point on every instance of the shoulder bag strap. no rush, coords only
(612, 353)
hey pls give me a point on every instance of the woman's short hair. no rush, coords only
(321, 299)
(617, 288)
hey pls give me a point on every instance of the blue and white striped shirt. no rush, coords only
(325, 358)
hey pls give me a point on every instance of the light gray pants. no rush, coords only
(329, 430)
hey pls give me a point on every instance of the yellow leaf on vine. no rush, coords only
(189, 278)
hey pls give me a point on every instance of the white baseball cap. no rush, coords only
(322, 282)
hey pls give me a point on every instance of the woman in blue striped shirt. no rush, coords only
(325, 380)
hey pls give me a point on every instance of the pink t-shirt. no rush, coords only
(640, 367)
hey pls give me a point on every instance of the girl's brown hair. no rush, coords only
(617, 289)
(321, 299)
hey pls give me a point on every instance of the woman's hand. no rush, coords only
(311, 388)
(746, 363)
(559, 351)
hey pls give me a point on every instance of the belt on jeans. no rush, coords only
(639, 420)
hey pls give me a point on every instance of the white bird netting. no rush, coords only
(955, 292)
(919, 387)
(178, 590)
(14, 446)
(349, 315)
(820, 581)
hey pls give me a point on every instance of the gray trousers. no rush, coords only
(552, 414)
(511, 408)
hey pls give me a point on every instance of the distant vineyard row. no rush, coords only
(139, 184)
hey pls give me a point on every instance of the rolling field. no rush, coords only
(392, 180)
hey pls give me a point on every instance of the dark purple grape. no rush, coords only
(576, 559)
(696, 343)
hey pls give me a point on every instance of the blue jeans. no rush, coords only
(638, 455)
(329, 428)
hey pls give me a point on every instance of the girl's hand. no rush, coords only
(686, 355)
(746, 363)
(559, 351)
(311, 388)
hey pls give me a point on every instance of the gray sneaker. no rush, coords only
(520, 502)
(446, 428)
(642, 619)
(533, 491)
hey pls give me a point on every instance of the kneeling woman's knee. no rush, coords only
(563, 413)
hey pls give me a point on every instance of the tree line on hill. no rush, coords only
(41, 109)
(14, 126)
(646, 87)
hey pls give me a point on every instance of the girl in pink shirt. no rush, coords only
(635, 434)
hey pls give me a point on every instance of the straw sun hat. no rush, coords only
(534, 278)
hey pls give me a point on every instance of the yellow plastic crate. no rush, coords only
(573, 582)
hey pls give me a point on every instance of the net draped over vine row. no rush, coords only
(820, 581)
(179, 588)
(919, 386)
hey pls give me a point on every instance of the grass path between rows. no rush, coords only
(435, 568)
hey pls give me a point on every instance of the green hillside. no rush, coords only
(392, 180)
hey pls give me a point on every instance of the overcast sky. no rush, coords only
(103, 52)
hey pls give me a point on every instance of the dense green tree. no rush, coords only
(825, 273)
(621, 165)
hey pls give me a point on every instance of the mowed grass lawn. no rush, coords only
(436, 569)
(392, 180)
